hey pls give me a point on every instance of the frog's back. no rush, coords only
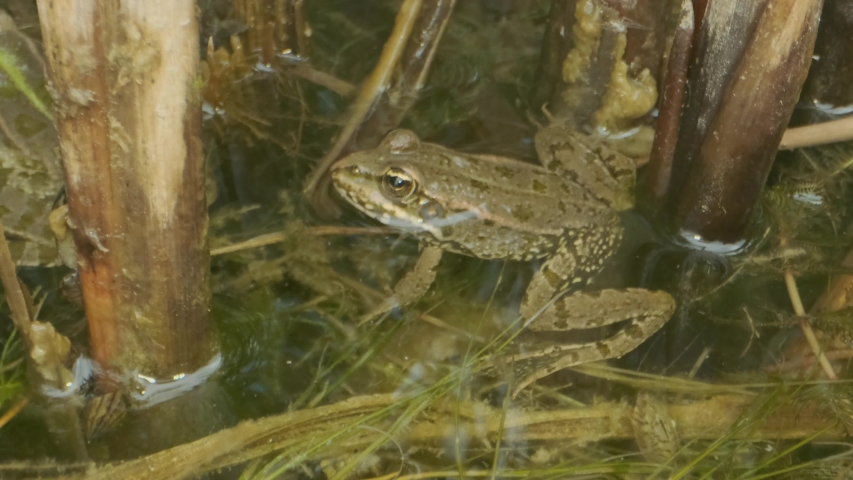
(504, 208)
(518, 194)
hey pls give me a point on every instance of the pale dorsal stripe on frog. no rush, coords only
(498, 208)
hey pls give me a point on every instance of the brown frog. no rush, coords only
(564, 212)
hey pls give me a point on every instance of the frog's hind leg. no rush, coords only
(647, 311)
(571, 266)
(604, 307)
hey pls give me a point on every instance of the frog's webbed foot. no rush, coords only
(411, 287)
(647, 311)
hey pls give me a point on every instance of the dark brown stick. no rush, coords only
(12, 289)
(658, 173)
(740, 105)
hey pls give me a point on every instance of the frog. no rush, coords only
(563, 212)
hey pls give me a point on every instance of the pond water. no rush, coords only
(450, 385)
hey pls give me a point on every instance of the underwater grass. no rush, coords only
(9, 65)
(751, 419)
(11, 369)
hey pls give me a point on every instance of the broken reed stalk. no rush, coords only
(839, 295)
(827, 90)
(656, 178)
(273, 27)
(752, 59)
(123, 76)
(46, 350)
(555, 45)
(316, 188)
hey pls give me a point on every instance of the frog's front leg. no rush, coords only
(554, 276)
(412, 286)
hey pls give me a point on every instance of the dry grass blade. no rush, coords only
(840, 130)
(16, 409)
(368, 94)
(794, 293)
(13, 290)
(335, 431)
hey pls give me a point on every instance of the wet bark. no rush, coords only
(123, 78)
(555, 45)
(656, 179)
(751, 61)
(274, 27)
(593, 28)
(828, 90)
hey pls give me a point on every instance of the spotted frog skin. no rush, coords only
(563, 212)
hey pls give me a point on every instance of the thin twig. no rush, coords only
(12, 289)
(436, 322)
(15, 138)
(808, 361)
(278, 237)
(11, 365)
(372, 88)
(791, 283)
(699, 361)
(832, 131)
(338, 230)
(335, 84)
(16, 409)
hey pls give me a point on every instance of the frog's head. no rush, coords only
(386, 184)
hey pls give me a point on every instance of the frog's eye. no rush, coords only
(397, 183)
(402, 141)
